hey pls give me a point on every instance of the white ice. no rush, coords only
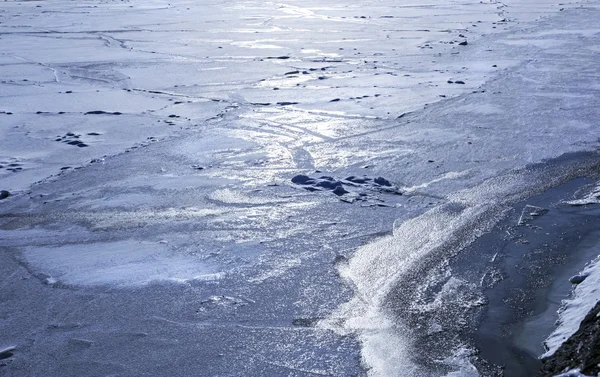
(123, 263)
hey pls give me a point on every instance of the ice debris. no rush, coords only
(592, 198)
(529, 213)
(340, 186)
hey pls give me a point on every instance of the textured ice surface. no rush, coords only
(196, 115)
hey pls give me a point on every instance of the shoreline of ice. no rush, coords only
(573, 310)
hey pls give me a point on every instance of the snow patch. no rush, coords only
(122, 263)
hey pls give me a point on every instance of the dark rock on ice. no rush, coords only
(302, 180)
(4, 194)
(464, 43)
(329, 185)
(7, 353)
(100, 112)
(339, 191)
(577, 279)
(382, 181)
(357, 180)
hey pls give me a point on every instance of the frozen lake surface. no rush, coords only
(240, 188)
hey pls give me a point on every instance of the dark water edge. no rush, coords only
(535, 262)
(497, 298)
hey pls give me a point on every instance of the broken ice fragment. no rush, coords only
(529, 212)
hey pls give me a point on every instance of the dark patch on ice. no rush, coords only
(7, 353)
(4, 194)
(278, 57)
(306, 322)
(71, 138)
(463, 43)
(335, 100)
(14, 168)
(100, 112)
(287, 103)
